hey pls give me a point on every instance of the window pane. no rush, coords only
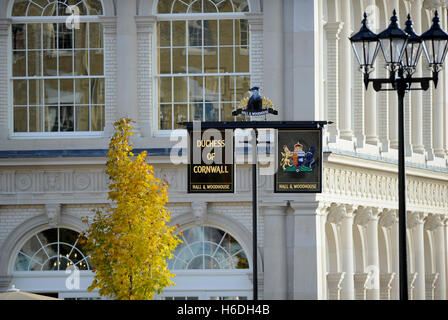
(241, 32)
(179, 60)
(209, 7)
(165, 117)
(196, 7)
(50, 63)
(97, 86)
(20, 119)
(179, 7)
(195, 60)
(225, 6)
(227, 86)
(49, 31)
(165, 89)
(180, 89)
(196, 89)
(241, 5)
(19, 64)
(242, 86)
(164, 6)
(19, 8)
(66, 119)
(81, 63)
(82, 118)
(164, 63)
(82, 91)
(180, 114)
(197, 111)
(226, 32)
(81, 36)
(97, 118)
(20, 92)
(34, 63)
(51, 119)
(65, 63)
(226, 59)
(179, 33)
(51, 92)
(210, 33)
(50, 10)
(212, 88)
(65, 37)
(36, 116)
(211, 111)
(35, 92)
(66, 91)
(34, 36)
(164, 33)
(211, 59)
(195, 33)
(96, 35)
(226, 112)
(94, 7)
(34, 10)
(96, 62)
(18, 37)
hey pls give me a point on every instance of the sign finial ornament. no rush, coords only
(255, 105)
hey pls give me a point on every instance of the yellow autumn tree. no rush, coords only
(130, 241)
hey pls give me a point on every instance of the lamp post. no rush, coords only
(401, 51)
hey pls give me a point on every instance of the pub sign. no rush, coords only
(299, 154)
(211, 161)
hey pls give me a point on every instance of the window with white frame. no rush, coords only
(52, 250)
(58, 83)
(208, 248)
(202, 60)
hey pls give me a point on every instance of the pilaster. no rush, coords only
(415, 222)
(145, 28)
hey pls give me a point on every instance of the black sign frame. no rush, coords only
(231, 179)
(292, 184)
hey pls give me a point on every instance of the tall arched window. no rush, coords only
(58, 83)
(52, 250)
(207, 248)
(202, 60)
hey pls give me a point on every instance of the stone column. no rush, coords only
(388, 278)
(434, 223)
(361, 285)
(334, 281)
(393, 97)
(275, 267)
(305, 249)
(431, 280)
(411, 281)
(386, 285)
(342, 215)
(333, 29)
(415, 222)
(416, 95)
(345, 72)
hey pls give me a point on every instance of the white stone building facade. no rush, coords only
(61, 91)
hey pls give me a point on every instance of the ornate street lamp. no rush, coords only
(413, 50)
(401, 51)
(393, 43)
